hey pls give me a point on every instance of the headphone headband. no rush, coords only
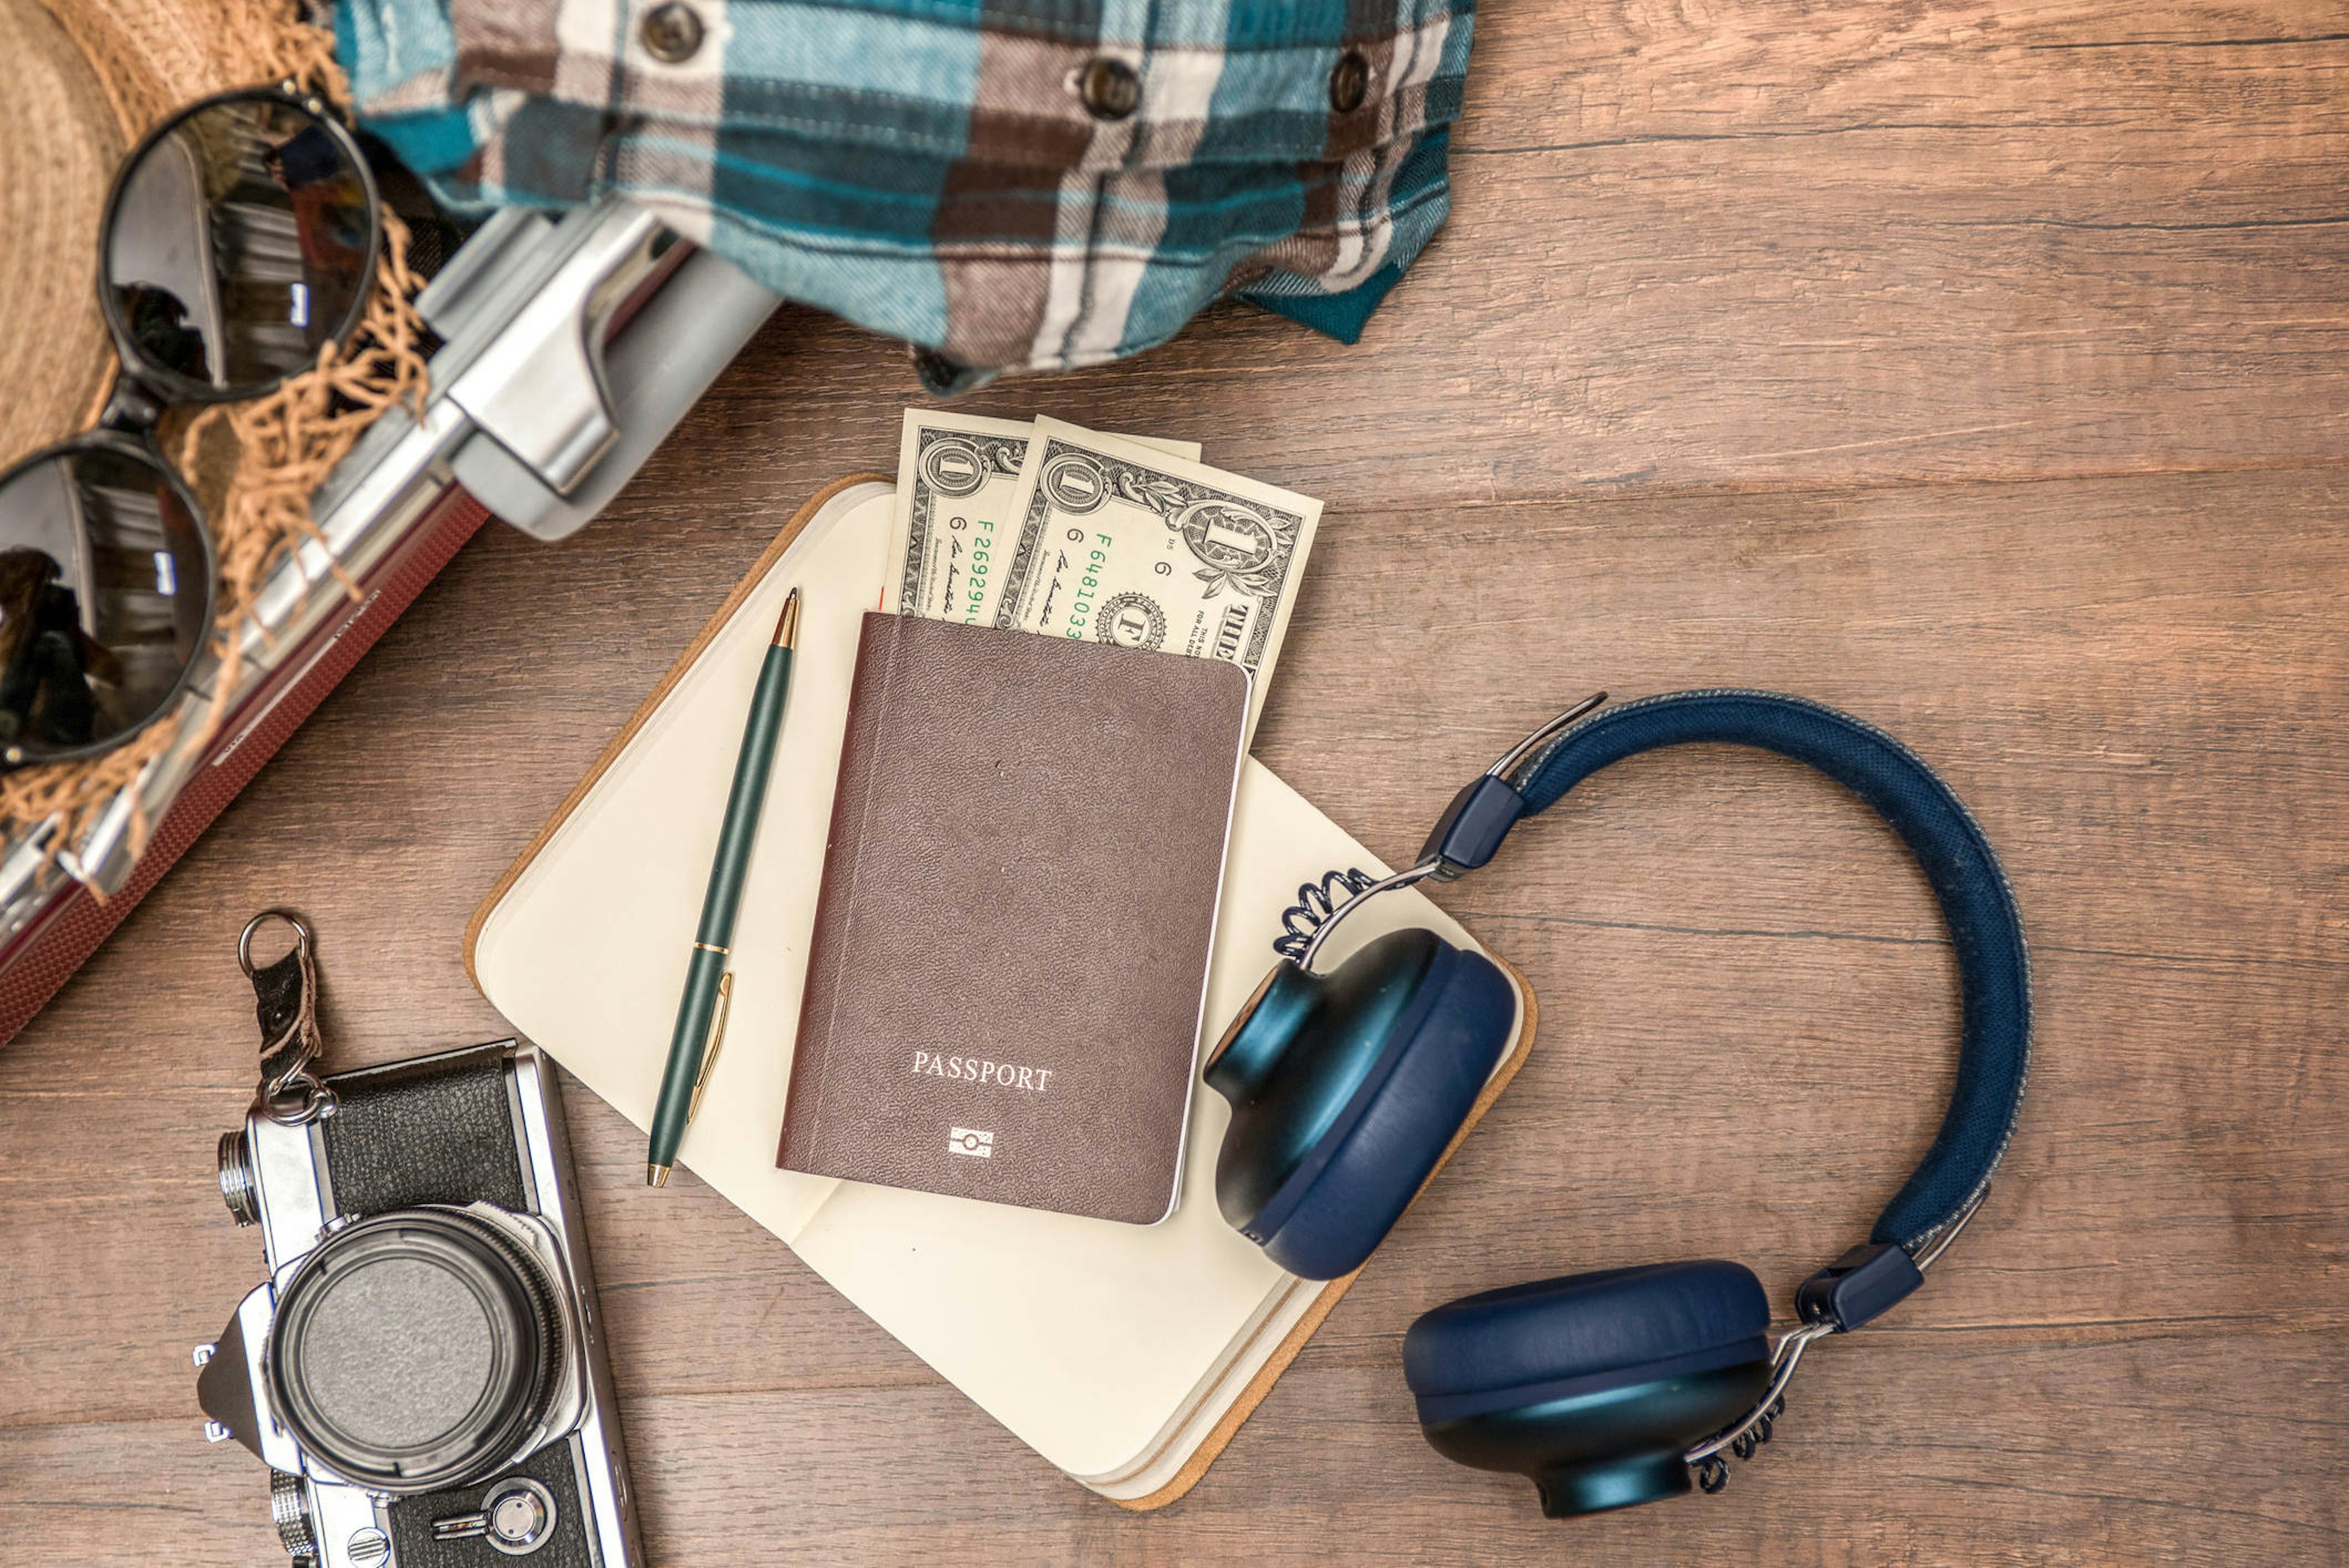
(1978, 905)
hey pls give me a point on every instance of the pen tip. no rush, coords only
(656, 1175)
(787, 630)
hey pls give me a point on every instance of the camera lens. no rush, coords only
(236, 1182)
(415, 1350)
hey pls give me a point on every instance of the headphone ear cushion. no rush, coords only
(1592, 1383)
(1363, 1175)
(1487, 1351)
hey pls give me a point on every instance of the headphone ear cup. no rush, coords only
(1593, 1385)
(1352, 1094)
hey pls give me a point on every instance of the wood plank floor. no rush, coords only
(1983, 368)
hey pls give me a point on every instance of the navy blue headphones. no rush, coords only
(1346, 1089)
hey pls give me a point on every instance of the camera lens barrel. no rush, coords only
(239, 1189)
(416, 1349)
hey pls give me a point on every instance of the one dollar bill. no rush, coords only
(956, 475)
(1119, 544)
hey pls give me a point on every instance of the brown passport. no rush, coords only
(1018, 899)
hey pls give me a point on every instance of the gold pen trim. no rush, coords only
(718, 1011)
(713, 947)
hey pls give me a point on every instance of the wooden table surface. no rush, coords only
(1979, 368)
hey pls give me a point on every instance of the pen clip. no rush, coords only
(718, 1011)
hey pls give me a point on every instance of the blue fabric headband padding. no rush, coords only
(1985, 928)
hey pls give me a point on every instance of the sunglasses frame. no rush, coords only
(169, 385)
(143, 390)
(139, 446)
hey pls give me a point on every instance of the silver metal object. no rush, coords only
(516, 1517)
(293, 1189)
(524, 377)
(300, 928)
(671, 349)
(1388, 884)
(554, 1193)
(1948, 1232)
(290, 1093)
(236, 1178)
(289, 1510)
(1789, 1352)
(1503, 767)
(538, 389)
(1783, 1358)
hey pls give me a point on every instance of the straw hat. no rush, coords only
(86, 79)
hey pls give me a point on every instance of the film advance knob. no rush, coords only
(289, 1510)
(517, 1516)
(239, 1189)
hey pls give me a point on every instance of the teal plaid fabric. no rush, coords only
(937, 170)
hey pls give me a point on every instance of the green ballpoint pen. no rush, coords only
(708, 985)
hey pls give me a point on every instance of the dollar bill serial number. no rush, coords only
(1089, 582)
(980, 546)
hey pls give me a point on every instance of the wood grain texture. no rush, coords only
(1977, 368)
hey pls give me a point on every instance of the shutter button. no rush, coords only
(671, 32)
(1110, 89)
(1350, 82)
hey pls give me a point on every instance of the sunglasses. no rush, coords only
(240, 241)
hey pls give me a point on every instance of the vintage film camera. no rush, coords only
(423, 1371)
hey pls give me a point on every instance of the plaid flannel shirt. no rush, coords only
(1041, 183)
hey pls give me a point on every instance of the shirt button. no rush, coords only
(1350, 82)
(671, 32)
(1110, 89)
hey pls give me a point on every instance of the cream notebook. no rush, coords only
(1124, 1355)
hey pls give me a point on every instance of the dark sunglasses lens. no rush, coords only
(104, 592)
(238, 244)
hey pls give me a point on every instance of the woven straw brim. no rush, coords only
(86, 79)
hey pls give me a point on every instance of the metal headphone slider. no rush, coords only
(1864, 1284)
(1470, 832)
(1472, 827)
(1465, 837)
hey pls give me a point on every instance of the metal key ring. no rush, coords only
(245, 942)
(316, 1100)
(293, 1096)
